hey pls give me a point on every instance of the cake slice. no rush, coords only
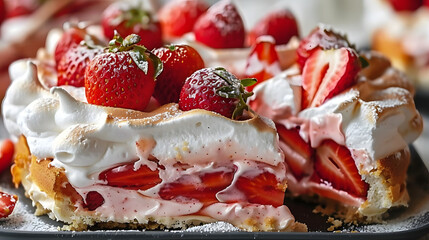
(92, 165)
(345, 121)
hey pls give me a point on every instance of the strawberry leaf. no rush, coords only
(247, 82)
(234, 89)
(138, 53)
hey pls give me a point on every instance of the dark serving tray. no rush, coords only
(403, 223)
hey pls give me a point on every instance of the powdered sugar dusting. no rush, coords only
(214, 227)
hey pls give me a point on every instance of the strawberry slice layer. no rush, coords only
(293, 140)
(262, 189)
(125, 176)
(263, 61)
(327, 73)
(7, 204)
(202, 187)
(335, 165)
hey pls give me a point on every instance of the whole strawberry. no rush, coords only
(71, 67)
(122, 77)
(280, 24)
(217, 90)
(126, 19)
(179, 62)
(220, 27)
(178, 17)
(72, 36)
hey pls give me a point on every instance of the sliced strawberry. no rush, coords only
(335, 165)
(280, 24)
(292, 138)
(263, 62)
(93, 200)
(320, 38)
(178, 17)
(7, 149)
(7, 204)
(202, 187)
(327, 73)
(405, 5)
(262, 189)
(126, 177)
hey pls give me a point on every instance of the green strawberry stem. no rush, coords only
(235, 89)
(140, 54)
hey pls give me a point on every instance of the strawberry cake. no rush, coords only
(345, 121)
(103, 153)
(111, 134)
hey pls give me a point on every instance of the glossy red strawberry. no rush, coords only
(263, 189)
(280, 24)
(125, 176)
(263, 61)
(320, 38)
(93, 200)
(128, 18)
(72, 36)
(178, 17)
(217, 90)
(293, 140)
(122, 77)
(327, 73)
(335, 164)
(202, 186)
(71, 67)
(180, 62)
(7, 149)
(405, 5)
(7, 204)
(221, 26)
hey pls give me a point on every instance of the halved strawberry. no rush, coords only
(263, 62)
(7, 204)
(292, 138)
(126, 177)
(202, 187)
(327, 73)
(320, 38)
(262, 189)
(335, 165)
